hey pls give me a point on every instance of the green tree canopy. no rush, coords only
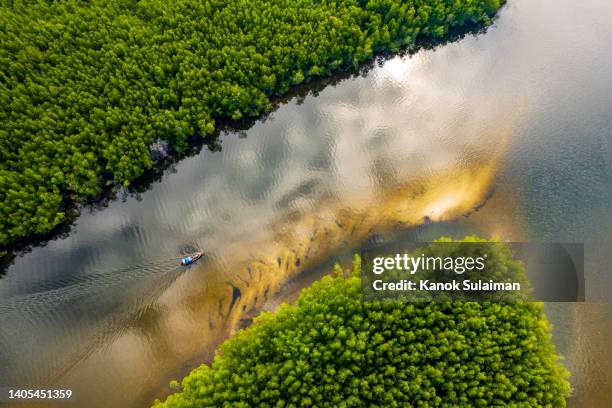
(87, 86)
(330, 349)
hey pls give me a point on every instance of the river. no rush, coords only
(507, 133)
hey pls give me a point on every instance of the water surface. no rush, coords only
(507, 133)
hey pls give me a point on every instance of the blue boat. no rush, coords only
(188, 260)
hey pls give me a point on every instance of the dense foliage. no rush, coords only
(87, 86)
(331, 349)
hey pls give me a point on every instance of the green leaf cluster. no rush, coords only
(87, 86)
(331, 349)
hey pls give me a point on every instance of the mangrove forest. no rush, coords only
(87, 87)
(332, 349)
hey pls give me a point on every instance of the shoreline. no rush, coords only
(72, 208)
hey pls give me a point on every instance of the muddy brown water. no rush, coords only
(516, 122)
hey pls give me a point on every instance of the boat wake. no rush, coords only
(96, 307)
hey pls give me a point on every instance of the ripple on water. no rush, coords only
(521, 108)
